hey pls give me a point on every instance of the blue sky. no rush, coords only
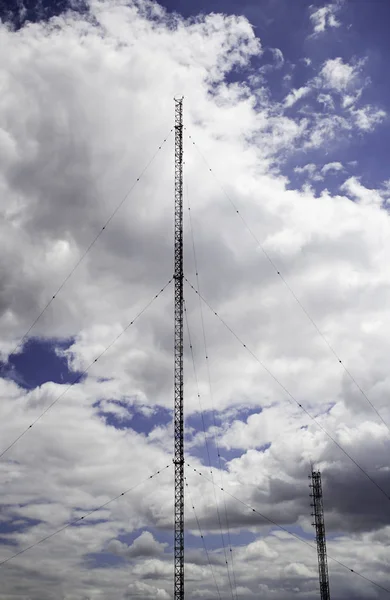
(287, 26)
(288, 102)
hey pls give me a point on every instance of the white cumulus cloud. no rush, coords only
(333, 166)
(324, 18)
(338, 75)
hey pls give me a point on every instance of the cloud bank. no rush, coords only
(88, 100)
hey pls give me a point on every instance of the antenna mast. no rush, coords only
(319, 525)
(178, 359)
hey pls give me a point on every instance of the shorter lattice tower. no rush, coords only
(319, 524)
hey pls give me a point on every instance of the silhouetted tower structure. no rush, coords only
(178, 359)
(319, 524)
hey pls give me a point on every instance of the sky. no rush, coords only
(287, 242)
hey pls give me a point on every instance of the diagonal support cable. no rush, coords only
(88, 249)
(82, 518)
(294, 535)
(208, 453)
(81, 375)
(215, 432)
(289, 288)
(289, 394)
(202, 538)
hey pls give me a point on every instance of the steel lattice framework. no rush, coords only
(319, 524)
(178, 358)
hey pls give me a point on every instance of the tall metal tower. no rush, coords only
(178, 360)
(319, 524)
